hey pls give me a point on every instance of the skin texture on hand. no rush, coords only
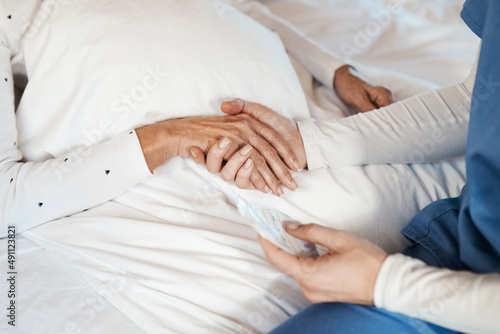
(175, 137)
(357, 93)
(285, 127)
(239, 167)
(347, 273)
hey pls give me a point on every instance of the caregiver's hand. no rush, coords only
(357, 93)
(175, 137)
(239, 166)
(347, 273)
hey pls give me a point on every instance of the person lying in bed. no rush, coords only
(33, 178)
(450, 275)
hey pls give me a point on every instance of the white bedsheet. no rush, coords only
(172, 255)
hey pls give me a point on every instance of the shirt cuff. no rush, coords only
(134, 155)
(310, 137)
(384, 278)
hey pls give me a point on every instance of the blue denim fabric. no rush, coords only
(354, 319)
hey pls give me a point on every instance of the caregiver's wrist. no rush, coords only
(377, 262)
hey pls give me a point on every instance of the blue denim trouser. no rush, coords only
(355, 319)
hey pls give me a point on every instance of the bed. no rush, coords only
(173, 255)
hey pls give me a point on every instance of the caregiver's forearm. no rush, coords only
(429, 127)
(462, 301)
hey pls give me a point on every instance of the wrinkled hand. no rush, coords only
(357, 93)
(240, 166)
(347, 273)
(272, 155)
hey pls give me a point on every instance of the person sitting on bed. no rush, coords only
(448, 280)
(29, 188)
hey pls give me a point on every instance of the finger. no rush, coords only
(266, 174)
(276, 140)
(272, 158)
(233, 165)
(197, 155)
(236, 106)
(380, 96)
(258, 181)
(266, 117)
(256, 110)
(232, 107)
(363, 103)
(242, 180)
(333, 239)
(216, 154)
(280, 259)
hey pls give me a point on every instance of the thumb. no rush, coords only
(197, 155)
(365, 103)
(380, 96)
(256, 110)
(233, 107)
(334, 240)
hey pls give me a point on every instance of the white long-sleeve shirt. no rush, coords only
(459, 300)
(35, 193)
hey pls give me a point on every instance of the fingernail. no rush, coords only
(294, 184)
(268, 190)
(280, 192)
(224, 143)
(297, 166)
(245, 150)
(238, 102)
(248, 165)
(292, 226)
(193, 153)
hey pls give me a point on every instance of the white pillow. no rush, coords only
(97, 68)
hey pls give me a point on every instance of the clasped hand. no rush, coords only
(246, 166)
(260, 155)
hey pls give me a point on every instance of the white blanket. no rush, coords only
(173, 255)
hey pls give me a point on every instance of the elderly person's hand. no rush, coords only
(240, 167)
(347, 273)
(357, 92)
(272, 155)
